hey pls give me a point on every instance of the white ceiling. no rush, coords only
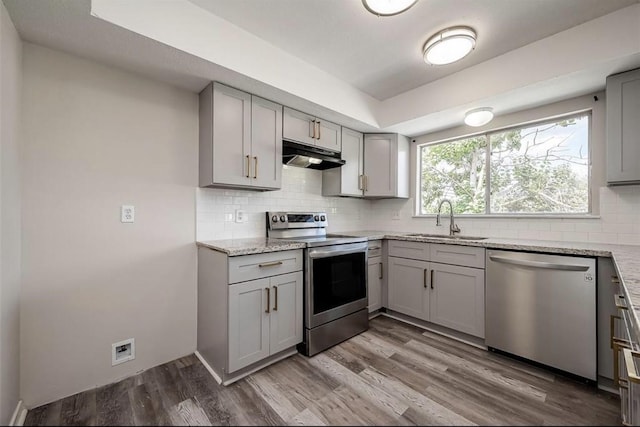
(333, 59)
(382, 56)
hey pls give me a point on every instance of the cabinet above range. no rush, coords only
(310, 130)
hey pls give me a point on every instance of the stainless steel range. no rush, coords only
(335, 278)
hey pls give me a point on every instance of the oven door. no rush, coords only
(336, 282)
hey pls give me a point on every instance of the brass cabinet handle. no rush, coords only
(618, 345)
(270, 264)
(255, 170)
(313, 135)
(632, 372)
(318, 129)
(248, 165)
(360, 186)
(615, 280)
(268, 300)
(424, 278)
(380, 271)
(366, 182)
(432, 279)
(275, 307)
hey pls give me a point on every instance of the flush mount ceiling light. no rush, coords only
(478, 116)
(449, 45)
(387, 7)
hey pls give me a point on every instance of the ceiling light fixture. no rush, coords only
(449, 45)
(478, 116)
(387, 7)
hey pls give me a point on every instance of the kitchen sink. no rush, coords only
(445, 236)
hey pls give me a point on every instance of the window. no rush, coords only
(541, 168)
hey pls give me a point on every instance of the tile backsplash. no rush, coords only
(301, 191)
(619, 220)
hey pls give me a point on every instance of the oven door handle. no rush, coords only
(320, 253)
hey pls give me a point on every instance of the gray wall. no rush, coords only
(10, 85)
(95, 138)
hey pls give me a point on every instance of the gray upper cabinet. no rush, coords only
(377, 166)
(347, 180)
(623, 128)
(311, 130)
(240, 139)
(386, 165)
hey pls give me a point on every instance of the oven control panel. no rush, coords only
(290, 220)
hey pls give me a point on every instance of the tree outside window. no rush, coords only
(535, 169)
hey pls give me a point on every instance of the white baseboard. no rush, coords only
(19, 415)
(209, 368)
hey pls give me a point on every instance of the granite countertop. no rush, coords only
(259, 245)
(626, 258)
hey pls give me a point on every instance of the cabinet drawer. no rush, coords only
(411, 250)
(375, 248)
(250, 267)
(467, 256)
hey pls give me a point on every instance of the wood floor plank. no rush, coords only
(370, 411)
(79, 409)
(113, 406)
(188, 413)
(267, 390)
(386, 402)
(246, 407)
(307, 418)
(431, 413)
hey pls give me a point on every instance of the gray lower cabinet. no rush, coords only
(374, 275)
(441, 293)
(623, 128)
(249, 310)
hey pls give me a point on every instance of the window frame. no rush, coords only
(487, 135)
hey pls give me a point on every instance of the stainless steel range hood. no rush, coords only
(304, 156)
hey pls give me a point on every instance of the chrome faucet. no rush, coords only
(453, 228)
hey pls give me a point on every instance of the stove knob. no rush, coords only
(323, 218)
(274, 218)
(283, 218)
(316, 218)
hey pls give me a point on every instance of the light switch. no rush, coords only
(127, 213)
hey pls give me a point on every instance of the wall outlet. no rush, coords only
(127, 213)
(241, 216)
(123, 351)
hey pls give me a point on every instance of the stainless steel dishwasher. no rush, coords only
(543, 308)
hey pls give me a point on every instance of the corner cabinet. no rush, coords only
(377, 166)
(311, 130)
(623, 128)
(249, 310)
(240, 139)
(438, 283)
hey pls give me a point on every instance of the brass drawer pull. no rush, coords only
(313, 135)
(424, 278)
(268, 300)
(248, 166)
(318, 129)
(270, 264)
(615, 280)
(432, 279)
(275, 307)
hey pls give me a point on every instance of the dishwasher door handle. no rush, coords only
(539, 264)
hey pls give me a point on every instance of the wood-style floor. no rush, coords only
(393, 374)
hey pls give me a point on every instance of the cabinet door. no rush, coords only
(266, 143)
(347, 179)
(408, 287)
(329, 135)
(380, 165)
(286, 311)
(457, 298)
(248, 323)
(231, 136)
(374, 283)
(297, 126)
(623, 128)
